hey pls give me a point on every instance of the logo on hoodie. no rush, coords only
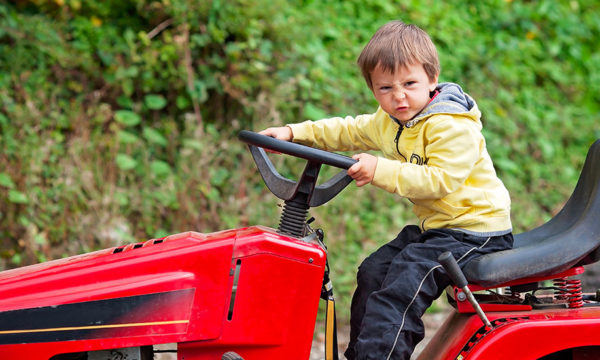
(416, 159)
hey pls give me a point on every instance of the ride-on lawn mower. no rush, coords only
(253, 293)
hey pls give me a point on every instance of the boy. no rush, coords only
(434, 155)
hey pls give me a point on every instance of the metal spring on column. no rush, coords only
(560, 291)
(575, 295)
(293, 219)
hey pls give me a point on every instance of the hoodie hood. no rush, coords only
(450, 99)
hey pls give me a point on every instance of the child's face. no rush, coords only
(404, 93)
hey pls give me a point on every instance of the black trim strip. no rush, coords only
(95, 319)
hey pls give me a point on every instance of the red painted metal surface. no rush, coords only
(517, 335)
(178, 290)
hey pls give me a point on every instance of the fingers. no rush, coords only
(280, 133)
(357, 167)
(267, 132)
(363, 171)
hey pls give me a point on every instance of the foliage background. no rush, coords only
(118, 118)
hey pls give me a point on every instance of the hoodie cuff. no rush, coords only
(385, 174)
(300, 132)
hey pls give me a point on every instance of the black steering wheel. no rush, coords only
(304, 193)
(298, 150)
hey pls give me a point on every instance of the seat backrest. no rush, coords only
(572, 237)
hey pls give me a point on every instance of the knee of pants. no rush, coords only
(370, 271)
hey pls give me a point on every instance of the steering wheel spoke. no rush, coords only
(299, 195)
(283, 188)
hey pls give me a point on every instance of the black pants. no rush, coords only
(398, 282)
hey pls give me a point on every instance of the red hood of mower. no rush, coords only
(174, 289)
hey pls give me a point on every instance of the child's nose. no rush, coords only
(399, 95)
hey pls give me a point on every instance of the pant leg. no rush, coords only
(392, 324)
(371, 273)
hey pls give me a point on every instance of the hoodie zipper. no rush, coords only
(397, 139)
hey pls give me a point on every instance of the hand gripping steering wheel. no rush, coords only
(302, 194)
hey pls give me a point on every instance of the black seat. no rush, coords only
(571, 238)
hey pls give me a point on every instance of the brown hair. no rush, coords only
(399, 44)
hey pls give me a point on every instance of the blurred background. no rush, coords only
(118, 119)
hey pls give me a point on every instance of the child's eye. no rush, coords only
(410, 83)
(385, 88)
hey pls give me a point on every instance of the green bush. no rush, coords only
(118, 118)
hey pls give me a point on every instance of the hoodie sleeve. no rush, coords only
(453, 146)
(338, 134)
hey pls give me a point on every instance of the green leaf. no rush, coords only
(312, 112)
(121, 198)
(182, 102)
(166, 198)
(40, 239)
(154, 136)
(155, 102)
(160, 168)
(507, 165)
(199, 91)
(125, 162)
(126, 137)
(16, 259)
(6, 181)
(127, 117)
(160, 233)
(219, 176)
(125, 102)
(193, 144)
(17, 197)
(23, 221)
(213, 195)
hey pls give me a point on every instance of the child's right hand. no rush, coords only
(364, 170)
(280, 133)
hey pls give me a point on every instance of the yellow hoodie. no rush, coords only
(439, 161)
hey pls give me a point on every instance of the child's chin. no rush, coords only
(403, 118)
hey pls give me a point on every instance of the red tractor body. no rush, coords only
(250, 289)
(519, 335)
(566, 327)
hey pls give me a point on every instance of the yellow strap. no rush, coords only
(329, 329)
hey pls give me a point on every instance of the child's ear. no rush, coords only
(433, 84)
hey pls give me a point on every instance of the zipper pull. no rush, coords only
(397, 138)
(400, 128)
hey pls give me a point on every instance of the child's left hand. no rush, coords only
(364, 170)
